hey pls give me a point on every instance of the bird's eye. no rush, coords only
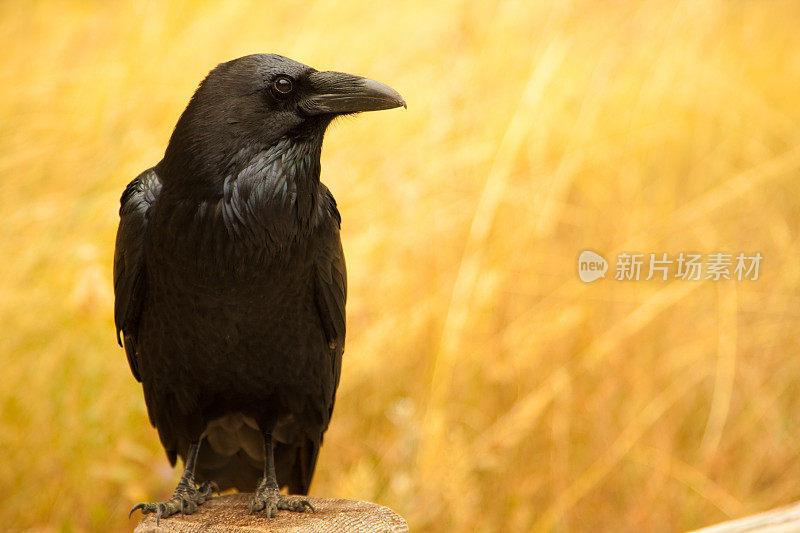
(282, 86)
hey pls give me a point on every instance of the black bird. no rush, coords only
(230, 280)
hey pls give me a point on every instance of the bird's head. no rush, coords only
(252, 102)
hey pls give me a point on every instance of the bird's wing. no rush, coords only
(295, 463)
(129, 264)
(331, 285)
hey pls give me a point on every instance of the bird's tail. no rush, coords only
(232, 456)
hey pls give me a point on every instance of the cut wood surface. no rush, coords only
(228, 514)
(781, 520)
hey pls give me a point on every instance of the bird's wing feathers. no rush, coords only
(331, 285)
(129, 265)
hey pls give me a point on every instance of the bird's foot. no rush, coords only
(184, 500)
(269, 499)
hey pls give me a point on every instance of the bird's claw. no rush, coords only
(136, 508)
(307, 503)
(185, 500)
(270, 500)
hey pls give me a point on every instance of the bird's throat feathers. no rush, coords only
(264, 193)
(281, 184)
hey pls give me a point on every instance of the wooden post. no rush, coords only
(228, 514)
(781, 520)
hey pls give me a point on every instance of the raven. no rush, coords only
(230, 282)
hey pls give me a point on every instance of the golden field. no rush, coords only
(485, 387)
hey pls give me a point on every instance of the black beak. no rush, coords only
(340, 93)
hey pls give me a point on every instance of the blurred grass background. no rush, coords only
(484, 386)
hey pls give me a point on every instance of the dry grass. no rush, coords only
(485, 387)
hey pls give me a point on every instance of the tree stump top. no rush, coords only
(228, 514)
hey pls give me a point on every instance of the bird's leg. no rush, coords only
(187, 495)
(268, 496)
